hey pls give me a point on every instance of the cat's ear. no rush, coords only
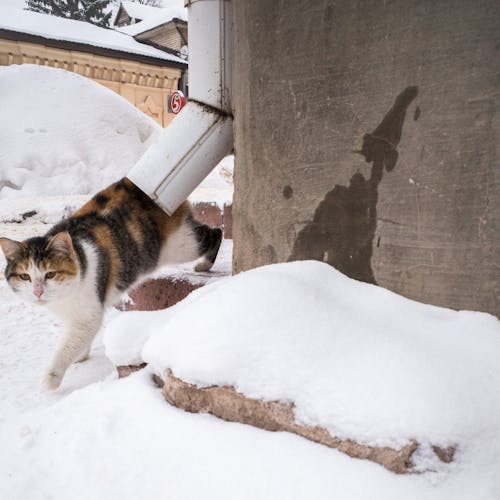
(61, 242)
(11, 248)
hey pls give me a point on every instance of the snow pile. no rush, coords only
(118, 439)
(61, 133)
(357, 359)
(124, 341)
(58, 28)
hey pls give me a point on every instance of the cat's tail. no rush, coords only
(209, 241)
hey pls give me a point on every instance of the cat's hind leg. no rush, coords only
(192, 242)
(209, 241)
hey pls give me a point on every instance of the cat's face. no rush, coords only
(41, 270)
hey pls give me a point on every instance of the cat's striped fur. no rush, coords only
(85, 262)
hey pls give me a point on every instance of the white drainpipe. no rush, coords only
(202, 134)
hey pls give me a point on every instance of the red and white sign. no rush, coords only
(177, 101)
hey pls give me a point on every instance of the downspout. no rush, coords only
(202, 133)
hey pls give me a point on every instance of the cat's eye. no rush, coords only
(25, 277)
(50, 275)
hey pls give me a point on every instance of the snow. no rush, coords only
(14, 4)
(65, 134)
(48, 151)
(103, 438)
(217, 187)
(119, 439)
(343, 351)
(138, 10)
(40, 210)
(357, 359)
(70, 30)
(174, 9)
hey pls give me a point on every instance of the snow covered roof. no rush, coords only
(139, 11)
(70, 30)
(175, 10)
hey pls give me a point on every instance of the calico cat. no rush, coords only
(85, 262)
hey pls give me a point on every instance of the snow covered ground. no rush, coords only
(100, 437)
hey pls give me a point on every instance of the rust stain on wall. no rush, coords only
(343, 227)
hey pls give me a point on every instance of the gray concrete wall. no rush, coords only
(368, 136)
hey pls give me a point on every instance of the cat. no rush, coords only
(85, 262)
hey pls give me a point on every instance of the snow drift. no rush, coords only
(63, 134)
(356, 359)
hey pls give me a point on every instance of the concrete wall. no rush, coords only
(368, 136)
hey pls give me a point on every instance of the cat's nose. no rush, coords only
(38, 292)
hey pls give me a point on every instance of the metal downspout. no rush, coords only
(202, 134)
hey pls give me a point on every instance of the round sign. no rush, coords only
(177, 101)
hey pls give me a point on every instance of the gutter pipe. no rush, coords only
(202, 133)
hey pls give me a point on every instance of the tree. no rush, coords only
(91, 11)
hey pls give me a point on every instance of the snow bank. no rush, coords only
(118, 439)
(356, 359)
(63, 134)
(123, 342)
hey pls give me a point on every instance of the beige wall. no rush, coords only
(144, 85)
(165, 36)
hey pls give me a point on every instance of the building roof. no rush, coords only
(78, 35)
(139, 11)
(174, 10)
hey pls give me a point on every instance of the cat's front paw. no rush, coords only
(52, 381)
(83, 357)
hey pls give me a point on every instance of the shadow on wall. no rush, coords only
(344, 223)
